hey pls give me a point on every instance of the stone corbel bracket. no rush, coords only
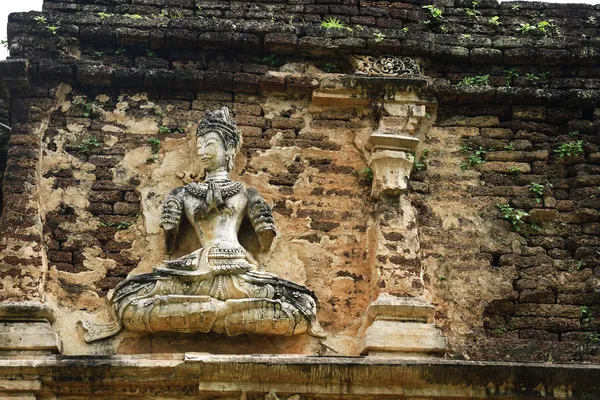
(391, 160)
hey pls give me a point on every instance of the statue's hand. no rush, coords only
(265, 239)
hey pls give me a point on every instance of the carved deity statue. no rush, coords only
(218, 287)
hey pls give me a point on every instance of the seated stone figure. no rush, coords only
(218, 287)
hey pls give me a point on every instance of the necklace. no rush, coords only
(227, 188)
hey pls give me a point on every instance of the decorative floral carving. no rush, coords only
(386, 66)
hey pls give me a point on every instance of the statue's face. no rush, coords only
(211, 151)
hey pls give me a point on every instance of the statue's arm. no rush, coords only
(171, 217)
(261, 217)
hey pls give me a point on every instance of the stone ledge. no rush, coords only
(25, 311)
(195, 375)
(574, 47)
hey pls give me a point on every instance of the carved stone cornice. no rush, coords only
(202, 376)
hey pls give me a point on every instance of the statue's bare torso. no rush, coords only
(218, 229)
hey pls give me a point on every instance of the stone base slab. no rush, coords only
(401, 338)
(28, 336)
(26, 327)
(402, 327)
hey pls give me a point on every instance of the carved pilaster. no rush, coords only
(396, 86)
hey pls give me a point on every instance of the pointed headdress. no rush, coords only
(220, 121)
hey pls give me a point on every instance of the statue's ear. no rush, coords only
(230, 157)
(231, 150)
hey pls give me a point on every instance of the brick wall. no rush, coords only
(500, 293)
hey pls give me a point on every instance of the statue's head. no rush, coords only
(217, 140)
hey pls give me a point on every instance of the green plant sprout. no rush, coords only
(478, 157)
(594, 337)
(41, 20)
(435, 14)
(328, 67)
(538, 190)
(472, 13)
(526, 29)
(478, 80)
(161, 15)
(177, 14)
(495, 21)
(379, 37)
(334, 23)
(533, 78)
(121, 225)
(570, 149)
(159, 112)
(421, 163)
(578, 265)
(510, 75)
(87, 109)
(515, 170)
(514, 216)
(546, 26)
(586, 315)
(271, 60)
(366, 174)
(86, 146)
(154, 145)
